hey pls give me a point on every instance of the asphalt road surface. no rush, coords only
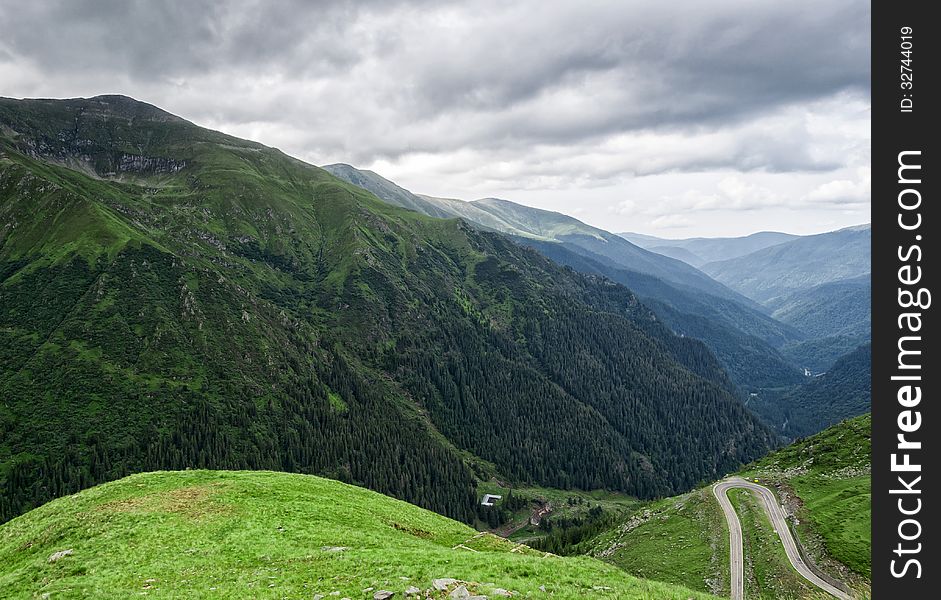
(779, 520)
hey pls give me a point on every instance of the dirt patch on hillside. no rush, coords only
(194, 502)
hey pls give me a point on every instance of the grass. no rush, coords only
(212, 534)
(825, 482)
(768, 573)
(680, 540)
(827, 479)
(841, 512)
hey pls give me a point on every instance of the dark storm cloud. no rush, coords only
(369, 80)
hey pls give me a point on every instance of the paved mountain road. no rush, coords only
(779, 520)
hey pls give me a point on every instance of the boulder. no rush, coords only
(443, 584)
(60, 555)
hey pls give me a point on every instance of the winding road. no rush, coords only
(779, 521)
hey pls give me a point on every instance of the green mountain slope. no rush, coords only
(205, 534)
(700, 251)
(842, 392)
(797, 265)
(542, 225)
(824, 483)
(172, 297)
(838, 308)
(743, 338)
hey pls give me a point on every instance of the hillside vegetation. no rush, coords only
(743, 338)
(211, 534)
(172, 297)
(825, 483)
(843, 392)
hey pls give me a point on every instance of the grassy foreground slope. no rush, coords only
(824, 482)
(237, 534)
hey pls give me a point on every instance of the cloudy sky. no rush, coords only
(680, 118)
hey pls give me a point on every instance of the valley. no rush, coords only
(243, 373)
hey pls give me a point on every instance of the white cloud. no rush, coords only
(575, 103)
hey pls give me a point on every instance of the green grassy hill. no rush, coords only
(825, 483)
(826, 480)
(217, 534)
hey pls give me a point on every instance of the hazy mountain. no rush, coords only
(699, 251)
(543, 225)
(818, 354)
(743, 338)
(841, 307)
(769, 275)
(386, 190)
(173, 297)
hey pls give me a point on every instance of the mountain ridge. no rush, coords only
(210, 302)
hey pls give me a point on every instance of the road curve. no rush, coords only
(779, 521)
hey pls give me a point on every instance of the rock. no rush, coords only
(334, 548)
(443, 584)
(59, 555)
(477, 598)
(319, 597)
(542, 588)
(460, 592)
(412, 591)
(383, 595)
(502, 592)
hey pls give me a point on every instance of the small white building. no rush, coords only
(489, 499)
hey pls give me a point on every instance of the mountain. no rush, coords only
(542, 225)
(388, 191)
(769, 275)
(742, 337)
(172, 297)
(744, 340)
(233, 535)
(835, 308)
(700, 251)
(843, 392)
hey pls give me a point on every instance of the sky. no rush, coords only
(677, 119)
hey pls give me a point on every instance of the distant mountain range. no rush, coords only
(818, 284)
(700, 251)
(770, 274)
